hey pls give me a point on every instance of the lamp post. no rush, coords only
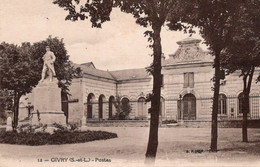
(29, 107)
(181, 114)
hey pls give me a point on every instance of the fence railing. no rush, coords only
(230, 107)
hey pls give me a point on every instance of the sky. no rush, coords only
(120, 44)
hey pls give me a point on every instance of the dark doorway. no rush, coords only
(111, 106)
(90, 105)
(65, 105)
(100, 105)
(141, 108)
(189, 107)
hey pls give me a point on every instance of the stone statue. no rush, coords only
(48, 66)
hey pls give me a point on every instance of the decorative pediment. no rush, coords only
(189, 51)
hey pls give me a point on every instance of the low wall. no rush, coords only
(238, 124)
(221, 124)
(188, 124)
(118, 123)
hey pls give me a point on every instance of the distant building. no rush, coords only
(186, 90)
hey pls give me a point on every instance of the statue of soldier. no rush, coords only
(48, 65)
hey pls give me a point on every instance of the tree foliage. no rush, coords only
(244, 46)
(123, 109)
(5, 102)
(15, 70)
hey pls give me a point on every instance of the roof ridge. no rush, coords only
(141, 68)
(112, 75)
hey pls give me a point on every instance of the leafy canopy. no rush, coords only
(212, 17)
(15, 68)
(243, 50)
(146, 12)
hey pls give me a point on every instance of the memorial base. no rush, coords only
(48, 117)
(47, 104)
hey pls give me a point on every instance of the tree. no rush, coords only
(16, 74)
(123, 108)
(5, 102)
(148, 13)
(214, 20)
(242, 51)
(20, 68)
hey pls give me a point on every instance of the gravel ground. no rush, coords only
(177, 147)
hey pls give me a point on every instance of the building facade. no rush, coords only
(186, 90)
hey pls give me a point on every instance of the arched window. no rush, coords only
(111, 106)
(90, 101)
(240, 103)
(254, 103)
(222, 104)
(142, 110)
(101, 100)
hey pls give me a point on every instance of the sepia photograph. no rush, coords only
(135, 83)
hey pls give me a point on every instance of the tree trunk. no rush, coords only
(155, 101)
(245, 108)
(16, 109)
(214, 124)
(246, 105)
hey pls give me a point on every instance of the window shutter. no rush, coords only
(240, 103)
(162, 83)
(191, 80)
(186, 80)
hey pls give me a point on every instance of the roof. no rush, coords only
(89, 64)
(130, 74)
(188, 41)
(119, 75)
(96, 72)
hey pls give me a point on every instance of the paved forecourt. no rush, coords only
(177, 146)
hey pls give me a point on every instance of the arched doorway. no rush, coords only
(101, 100)
(90, 100)
(189, 107)
(111, 106)
(142, 111)
(65, 104)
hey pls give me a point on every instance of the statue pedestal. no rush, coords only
(48, 117)
(47, 103)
